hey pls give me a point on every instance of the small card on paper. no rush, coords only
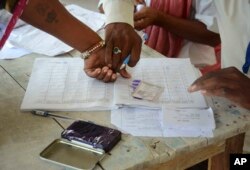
(146, 91)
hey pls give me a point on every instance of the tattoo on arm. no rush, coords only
(44, 10)
(51, 16)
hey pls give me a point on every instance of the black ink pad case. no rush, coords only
(92, 135)
(82, 146)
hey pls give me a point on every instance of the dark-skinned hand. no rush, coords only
(95, 67)
(229, 83)
(123, 36)
(145, 17)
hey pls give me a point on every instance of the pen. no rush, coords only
(48, 114)
(125, 62)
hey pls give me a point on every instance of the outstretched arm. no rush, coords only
(192, 30)
(52, 17)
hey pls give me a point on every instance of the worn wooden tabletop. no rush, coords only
(24, 136)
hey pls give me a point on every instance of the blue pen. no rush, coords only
(125, 62)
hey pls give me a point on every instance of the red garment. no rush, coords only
(167, 43)
(159, 38)
(217, 65)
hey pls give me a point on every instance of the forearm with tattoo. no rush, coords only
(44, 10)
(52, 17)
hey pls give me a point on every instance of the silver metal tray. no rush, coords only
(71, 155)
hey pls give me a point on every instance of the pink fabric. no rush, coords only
(159, 38)
(217, 65)
(16, 14)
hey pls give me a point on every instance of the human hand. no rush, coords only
(145, 17)
(123, 37)
(95, 67)
(229, 83)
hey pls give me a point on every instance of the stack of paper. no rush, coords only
(61, 84)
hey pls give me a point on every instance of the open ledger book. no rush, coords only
(60, 84)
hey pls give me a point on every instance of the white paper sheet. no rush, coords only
(151, 123)
(60, 84)
(10, 52)
(188, 119)
(187, 122)
(138, 122)
(2, 29)
(187, 133)
(94, 20)
(175, 75)
(35, 40)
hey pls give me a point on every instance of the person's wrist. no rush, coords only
(118, 24)
(83, 43)
(159, 18)
(93, 49)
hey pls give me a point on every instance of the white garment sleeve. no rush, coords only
(117, 11)
(206, 13)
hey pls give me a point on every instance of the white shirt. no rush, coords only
(200, 54)
(234, 26)
(205, 11)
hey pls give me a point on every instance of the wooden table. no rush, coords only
(24, 136)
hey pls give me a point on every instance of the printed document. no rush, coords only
(167, 122)
(187, 122)
(61, 84)
(138, 122)
(175, 75)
